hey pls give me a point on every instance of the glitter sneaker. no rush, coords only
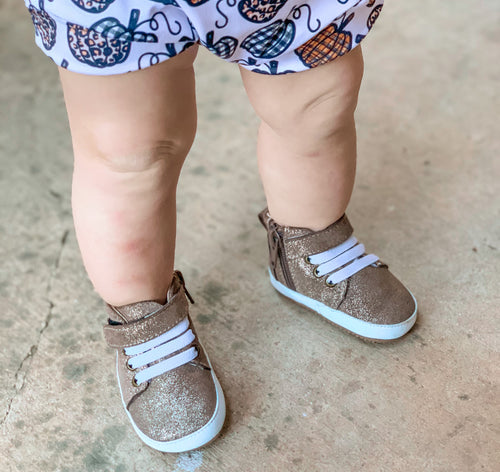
(329, 272)
(168, 387)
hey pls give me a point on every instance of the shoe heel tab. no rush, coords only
(264, 218)
(180, 278)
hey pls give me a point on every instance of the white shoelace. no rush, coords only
(161, 349)
(342, 261)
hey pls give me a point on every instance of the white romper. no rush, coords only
(104, 37)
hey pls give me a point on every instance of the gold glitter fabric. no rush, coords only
(136, 331)
(178, 402)
(373, 294)
(175, 404)
(377, 296)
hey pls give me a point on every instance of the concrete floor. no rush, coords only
(302, 395)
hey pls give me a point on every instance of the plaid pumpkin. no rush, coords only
(223, 48)
(270, 41)
(328, 44)
(112, 28)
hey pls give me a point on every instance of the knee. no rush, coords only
(317, 116)
(332, 109)
(134, 151)
(166, 153)
(321, 107)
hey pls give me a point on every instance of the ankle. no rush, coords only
(315, 221)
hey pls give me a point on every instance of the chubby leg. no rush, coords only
(307, 139)
(131, 134)
(307, 160)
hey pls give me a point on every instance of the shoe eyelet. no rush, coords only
(129, 367)
(327, 282)
(134, 382)
(315, 272)
(308, 259)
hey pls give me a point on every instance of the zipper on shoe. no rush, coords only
(279, 253)
(284, 264)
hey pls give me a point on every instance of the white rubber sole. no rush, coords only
(364, 329)
(194, 440)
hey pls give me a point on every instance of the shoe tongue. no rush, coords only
(136, 311)
(320, 241)
(132, 312)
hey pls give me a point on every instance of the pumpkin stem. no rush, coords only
(345, 21)
(273, 67)
(170, 49)
(210, 38)
(134, 18)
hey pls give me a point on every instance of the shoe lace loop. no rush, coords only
(342, 261)
(158, 355)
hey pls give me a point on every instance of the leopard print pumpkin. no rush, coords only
(94, 49)
(260, 11)
(93, 6)
(194, 3)
(107, 42)
(373, 16)
(45, 26)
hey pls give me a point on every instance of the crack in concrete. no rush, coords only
(22, 371)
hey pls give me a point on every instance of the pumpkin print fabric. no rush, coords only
(104, 37)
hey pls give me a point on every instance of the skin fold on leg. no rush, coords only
(307, 139)
(131, 134)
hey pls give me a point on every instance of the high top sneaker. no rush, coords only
(168, 387)
(329, 272)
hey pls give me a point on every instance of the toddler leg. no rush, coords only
(131, 134)
(307, 139)
(307, 160)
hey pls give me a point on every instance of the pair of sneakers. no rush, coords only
(168, 387)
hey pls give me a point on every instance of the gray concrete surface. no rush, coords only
(302, 396)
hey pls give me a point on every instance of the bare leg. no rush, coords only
(307, 139)
(131, 134)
